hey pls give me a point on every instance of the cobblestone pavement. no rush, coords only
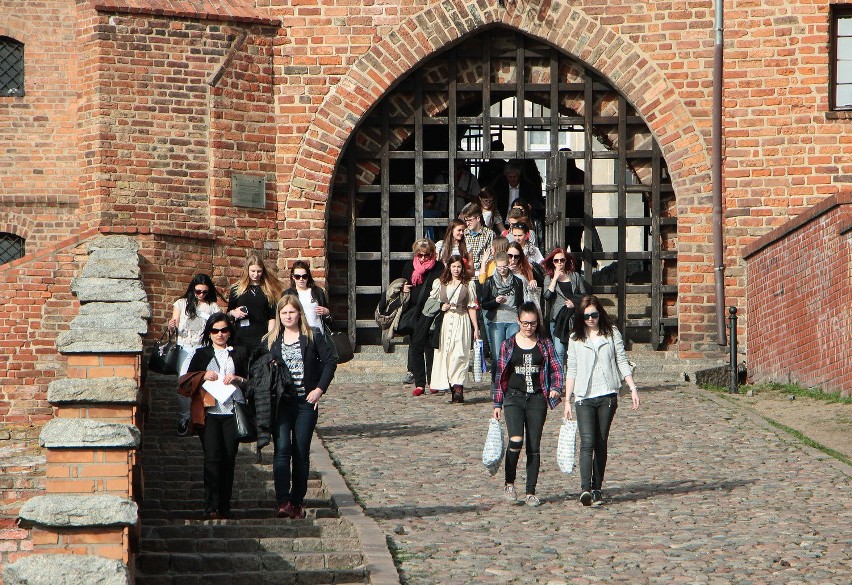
(699, 492)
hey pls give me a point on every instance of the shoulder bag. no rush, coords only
(245, 427)
(164, 356)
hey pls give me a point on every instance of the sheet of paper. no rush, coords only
(219, 390)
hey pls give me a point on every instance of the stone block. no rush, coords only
(113, 263)
(71, 511)
(107, 289)
(113, 242)
(111, 321)
(53, 569)
(87, 341)
(130, 309)
(112, 390)
(71, 433)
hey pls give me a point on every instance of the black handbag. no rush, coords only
(435, 330)
(245, 427)
(164, 356)
(341, 347)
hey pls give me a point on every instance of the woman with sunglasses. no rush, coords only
(189, 315)
(313, 297)
(597, 364)
(563, 289)
(219, 361)
(457, 293)
(502, 294)
(521, 267)
(420, 274)
(251, 302)
(308, 357)
(528, 377)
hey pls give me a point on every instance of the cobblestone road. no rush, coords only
(698, 491)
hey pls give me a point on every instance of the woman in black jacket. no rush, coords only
(419, 275)
(220, 362)
(290, 411)
(311, 295)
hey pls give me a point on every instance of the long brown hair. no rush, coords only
(523, 263)
(277, 329)
(447, 276)
(550, 268)
(269, 283)
(604, 322)
(447, 250)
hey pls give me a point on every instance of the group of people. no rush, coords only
(268, 348)
(546, 335)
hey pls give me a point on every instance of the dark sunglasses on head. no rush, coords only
(300, 276)
(587, 316)
(214, 330)
(200, 292)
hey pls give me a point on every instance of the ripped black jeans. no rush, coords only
(594, 417)
(524, 412)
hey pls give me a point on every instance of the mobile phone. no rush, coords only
(244, 309)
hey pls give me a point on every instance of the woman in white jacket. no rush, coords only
(597, 364)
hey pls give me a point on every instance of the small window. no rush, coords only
(11, 247)
(11, 67)
(841, 57)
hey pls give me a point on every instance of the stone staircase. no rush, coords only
(178, 547)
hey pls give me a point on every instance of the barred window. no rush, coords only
(11, 67)
(11, 247)
(841, 57)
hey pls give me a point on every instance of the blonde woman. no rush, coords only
(308, 357)
(251, 302)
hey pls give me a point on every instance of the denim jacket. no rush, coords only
(550, 374)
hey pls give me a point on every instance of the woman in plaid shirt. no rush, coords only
(529, 378)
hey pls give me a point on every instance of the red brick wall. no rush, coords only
(799, 290)
(37, 305)
(38, 164)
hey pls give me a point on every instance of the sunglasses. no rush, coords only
(300, 276)
(424, 255)
(559, 260)
(587, 316)
(199, 291)
(513, 255)
(528, 323)
(215, 331)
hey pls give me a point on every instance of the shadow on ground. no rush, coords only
(391, 429)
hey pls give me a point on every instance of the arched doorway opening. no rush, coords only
(604, 179)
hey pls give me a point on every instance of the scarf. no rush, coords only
(421, 268)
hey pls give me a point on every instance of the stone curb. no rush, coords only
(377, 557)
(66, 511)
(58, 569)
(83, 433)
(111, 390)
(758, 420)
(89, 341)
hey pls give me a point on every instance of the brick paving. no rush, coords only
(699, 492)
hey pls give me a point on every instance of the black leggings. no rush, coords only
(420, 352)
(594, 418)
(524, 412)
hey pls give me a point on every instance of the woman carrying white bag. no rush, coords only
(597, 363)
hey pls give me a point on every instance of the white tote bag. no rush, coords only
(566, 446)
(492, 453)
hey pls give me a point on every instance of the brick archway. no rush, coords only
(443, 24)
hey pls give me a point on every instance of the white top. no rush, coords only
(190, 330)
(223, 364)
(310, 306)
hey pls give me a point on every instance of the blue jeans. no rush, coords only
(594, 417)
(497, 334)
(292, 434)
(558, 346)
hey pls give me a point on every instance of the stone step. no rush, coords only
(251, 545)
(250, 528)
(237, 562)
(236, 503)
(238, 513)
(309, 577)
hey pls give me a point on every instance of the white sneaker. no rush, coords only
(509, 493)
(532, 500)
